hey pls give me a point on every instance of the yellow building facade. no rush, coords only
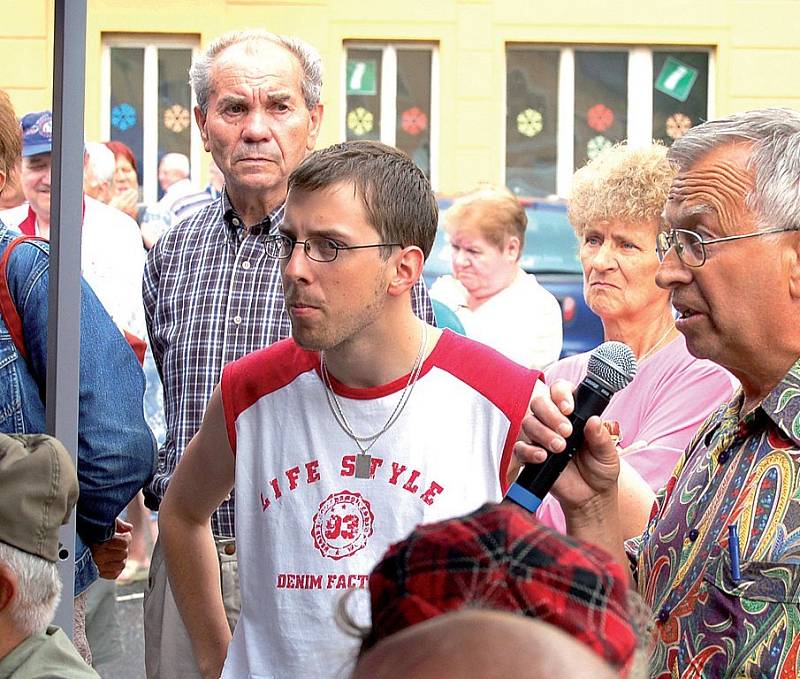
(475, 90)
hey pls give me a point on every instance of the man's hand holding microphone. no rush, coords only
(604, 500)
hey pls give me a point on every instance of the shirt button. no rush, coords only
(236, 221)
(245, 264)
(694, 534)
(663, 614)
(722, 458)
(237, 319)
(230, 550)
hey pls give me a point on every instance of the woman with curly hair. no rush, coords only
(616, 210)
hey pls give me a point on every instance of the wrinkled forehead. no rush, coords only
(716, 187)
(255, 63)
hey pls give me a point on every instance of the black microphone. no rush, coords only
(611, 367)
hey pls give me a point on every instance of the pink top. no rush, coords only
(672, 393)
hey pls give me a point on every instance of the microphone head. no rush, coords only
(614, 364)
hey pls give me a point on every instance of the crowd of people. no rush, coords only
(260, 363)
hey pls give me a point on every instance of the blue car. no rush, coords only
(551, 253)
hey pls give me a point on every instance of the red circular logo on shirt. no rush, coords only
(342, 525)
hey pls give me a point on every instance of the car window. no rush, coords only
(550, 242)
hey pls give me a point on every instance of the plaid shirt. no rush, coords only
(501, 558)
(212, 295)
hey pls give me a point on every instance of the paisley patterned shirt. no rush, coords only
(747, 474)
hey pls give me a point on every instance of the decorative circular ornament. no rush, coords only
(596, 145)
(599, 117)
(413, 121)
(529, 122)
(360, 121)
(123, 116)
(176, 118)
(677, 125)
(342, 525)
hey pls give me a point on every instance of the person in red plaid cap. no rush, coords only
(502, 558)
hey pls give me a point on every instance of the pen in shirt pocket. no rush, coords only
(733, 550)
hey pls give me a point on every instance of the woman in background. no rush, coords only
(125, 196)
(495, 300)
(616, 207)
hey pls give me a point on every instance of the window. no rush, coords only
(148, 103)
(389, 96)
(564, 105)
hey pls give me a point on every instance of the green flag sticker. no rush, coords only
(676, 79)
(361, 76)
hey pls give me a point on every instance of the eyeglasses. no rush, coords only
(319, 249)
(691, 248)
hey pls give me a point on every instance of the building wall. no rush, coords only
(755, 43)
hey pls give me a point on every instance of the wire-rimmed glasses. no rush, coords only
(691, 248)
(318, 248)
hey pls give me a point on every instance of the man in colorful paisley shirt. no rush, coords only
(719, 562)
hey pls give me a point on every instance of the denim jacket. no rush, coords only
(116, 451)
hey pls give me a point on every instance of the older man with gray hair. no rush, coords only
(211, 293)
(173, 178)
(99, 167)
(719, 562)
(40, 488)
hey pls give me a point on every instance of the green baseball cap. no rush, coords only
(38, 490)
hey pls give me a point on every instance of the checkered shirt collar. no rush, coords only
(235, 226)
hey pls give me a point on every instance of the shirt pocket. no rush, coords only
(751, 618)
(10, 395)
(760, 581)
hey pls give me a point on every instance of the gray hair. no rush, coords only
(308, 56)
(39, 589)
(101, 161)
(175, 162)
(774, 136)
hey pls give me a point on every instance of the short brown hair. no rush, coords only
(10, 135)
(492, 211)
(621, 184)
(396, 194)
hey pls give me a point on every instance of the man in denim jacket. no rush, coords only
(116, 451)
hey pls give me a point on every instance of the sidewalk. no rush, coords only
(129, 614)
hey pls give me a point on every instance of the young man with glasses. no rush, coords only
(365, 423)
(718, 562)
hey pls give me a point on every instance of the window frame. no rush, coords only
(150, 44)
(388, 93)
(640, 99)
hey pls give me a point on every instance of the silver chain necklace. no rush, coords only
(647, 354)
(364, 459)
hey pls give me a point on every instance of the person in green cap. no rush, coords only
(40, 488)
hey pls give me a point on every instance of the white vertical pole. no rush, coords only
(388, 96)
(640, 97)
(150, 125)
(433, 122)
(565, 142)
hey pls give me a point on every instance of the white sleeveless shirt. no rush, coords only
(308, 530)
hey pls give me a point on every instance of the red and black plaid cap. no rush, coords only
(500, 557)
